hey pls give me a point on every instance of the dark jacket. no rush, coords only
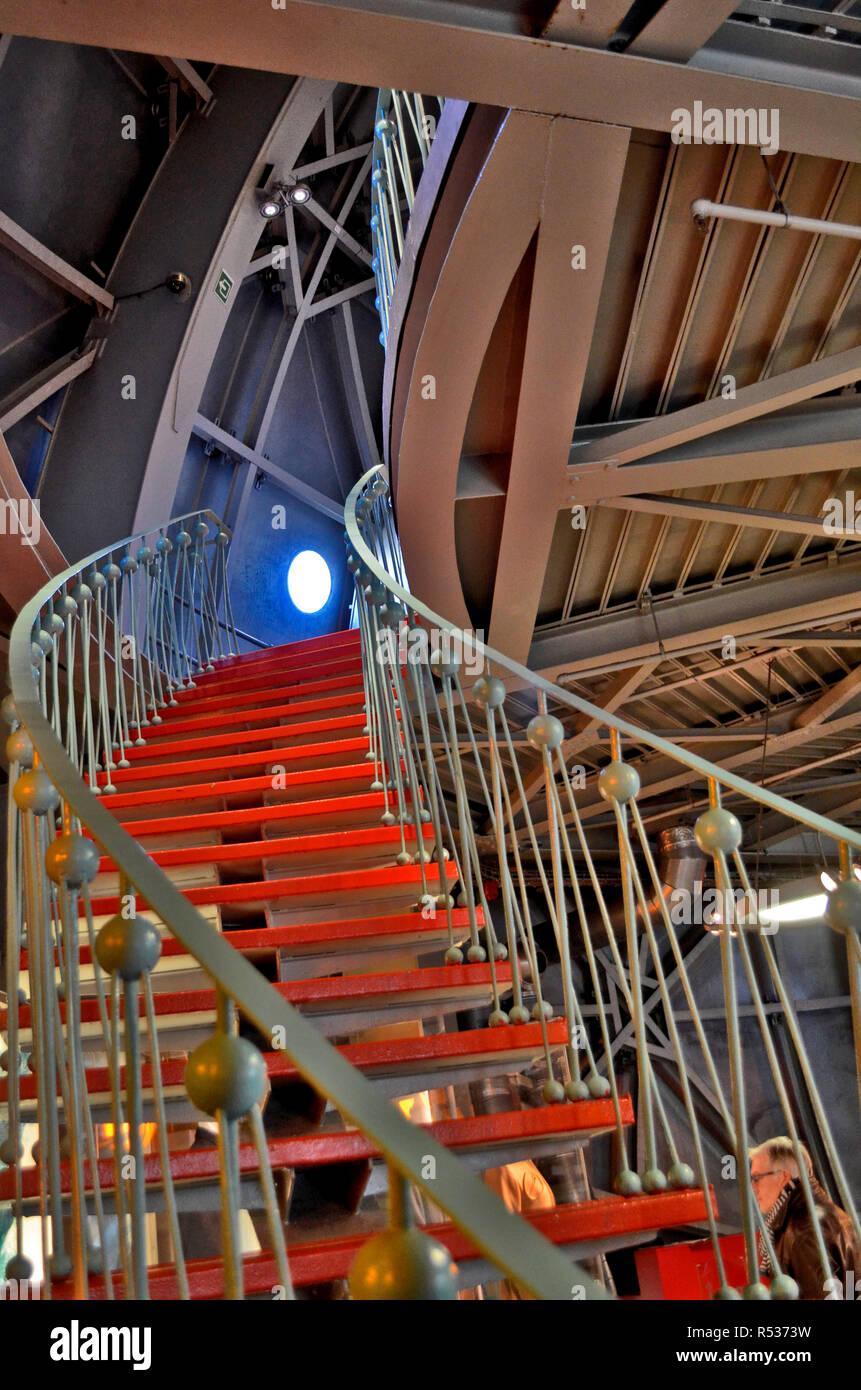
(797, 1251)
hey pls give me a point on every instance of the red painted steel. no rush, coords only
(231, 737)
(262, 757)
(205, 791)
(690, 1271)
(318, 1262)
(240, 817)
(369, 1056)
(220, 685)
(221, 894)
(338, 841)
(266, 695)
(309, 934)
(163, 739)
(330, 989)
(351, 1146)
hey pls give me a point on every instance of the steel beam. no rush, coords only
(205, 429)
(43, 385)
(822, 439)
(335, 237)
(188, 77)
(435, 387)
(799, 14)
(583, 166)
(836, 695)
(660, 776)
(350, 245)
(762, 398)
(679, 28)
(780, 56)
(332, 301)
(592, 26)
(390, 46)
(53, 267)
(716, 512)
(356, 391)
(748, 610)
(319, 166)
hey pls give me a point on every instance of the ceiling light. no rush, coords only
(828, 882)
(808, 909)
(309, 581)
(270, 206)
(299, 193)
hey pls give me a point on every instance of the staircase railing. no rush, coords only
(94, 658)
(403, 135)
(454, 756)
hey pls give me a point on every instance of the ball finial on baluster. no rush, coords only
(128, 947)
(618, 782)
(403, 1265)
(225, 1073)
(34, 791)
(72, 859)
(718, 831)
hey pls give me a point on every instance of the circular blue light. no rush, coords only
(309, 581)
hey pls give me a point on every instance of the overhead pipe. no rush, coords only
(702, 209)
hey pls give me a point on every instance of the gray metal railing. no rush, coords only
(417, 706)
(403, 136)
(64, 748)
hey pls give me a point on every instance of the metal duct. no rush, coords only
(680, 863)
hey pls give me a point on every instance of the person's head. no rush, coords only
(772, 1165)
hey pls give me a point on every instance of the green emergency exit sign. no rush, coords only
(223, 286)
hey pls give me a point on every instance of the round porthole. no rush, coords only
(309, 581)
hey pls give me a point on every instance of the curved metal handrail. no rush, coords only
(511, 1244)
(823, 824)
(399, 681)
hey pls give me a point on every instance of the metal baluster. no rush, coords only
(110, 1030)
(791, 1020)
(723, 833)
(19, 750)
(121, 738)
(98, 584)
(161, 1131)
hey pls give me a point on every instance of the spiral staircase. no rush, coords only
(271, 937)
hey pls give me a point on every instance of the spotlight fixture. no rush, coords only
(281, 196)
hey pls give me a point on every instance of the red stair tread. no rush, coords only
(230, 737)
(367, 1056)
(161, 742)
(260, 757)
(267, 889)
(267, 849)
(215, 684)
(317, 1262)
(270, 693)
(318, 933)
(205, 791)
(330, 989)
(253, 815)
(289, 652)
(329, 641)
(351, 1146)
